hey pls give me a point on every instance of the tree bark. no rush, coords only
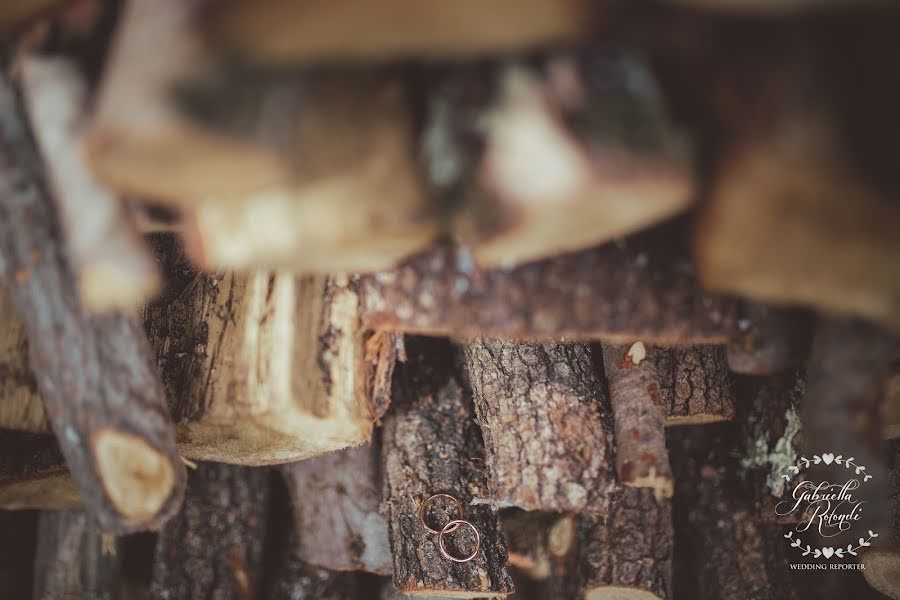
(628, 553)
(33, 473)
(769, 340)
(432, 445)
(214, 546)
(546, 425)
(613, 292)
(297, 580)
(73, 561)
(576, 153)
(336, 500)
(640, 419)
(695, 385)
(20, 401)
(113, 266)
(266, 367)
(95, 374)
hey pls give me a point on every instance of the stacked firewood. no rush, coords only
(277, 272)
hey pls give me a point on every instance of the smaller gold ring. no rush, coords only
(459, 507)
(447, 530)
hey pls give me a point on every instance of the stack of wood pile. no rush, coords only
(277, 271)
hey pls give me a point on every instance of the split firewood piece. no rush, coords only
(615, 292)
(546, 425)
(33, 474)
(214, 546)
(628, 553)
(847, 367)
(95, 373)
(695, 385)
(768, 339)
(882, 570)
(266, 367)
(544, 548)
(778, 225)
(20, 400)
(356, 202)
(730, 553)
(640, 419)
(285, 31)
(432, 445)
(139, 143)
(771, 430)
(73, 559)
(545, 187)
(113, 267)
(336, 500)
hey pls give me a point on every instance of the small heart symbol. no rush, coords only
(829, 550)
(828, 458)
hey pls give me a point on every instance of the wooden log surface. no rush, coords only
(33, 473)
(695, 385)
(768, 339)
(615, 292)
(546, 425)
(336, 500)
(431, 445)
(640, 419)
(73, 559)
(214, 545)
(20, 401)
(99, 387)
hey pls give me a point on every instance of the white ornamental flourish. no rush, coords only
(827, 552)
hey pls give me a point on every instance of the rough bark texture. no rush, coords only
(695, 385)
(771, 430)
(727, 553)
(431, 445)
(297, 580)
(768, 340)
(546, 425)
(213, 548)
(266, 367)
(628, 554)
(96, 375)
(33, 474)
(577, 151)
(73, 561)
(20, 401)
(845, 374)
(336, 500)
(640, 419)
(615, 292)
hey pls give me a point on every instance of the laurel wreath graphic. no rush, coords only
(829, 551)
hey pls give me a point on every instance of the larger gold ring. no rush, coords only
(455, 524)
(459, 507)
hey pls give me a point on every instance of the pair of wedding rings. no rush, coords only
(450, 527)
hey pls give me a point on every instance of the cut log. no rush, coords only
(214, 546)
(778, 225)
(545, 187)
(730, 554)
(20, 400)
(695, 385)
(33, 474)
(613, 292)
(140, 144)
(628, 554)
(771, 430)
(113, 267)
(768, 339)
(546, 425)
(96, 376)
(265, 368)
(356, 201)
(311, 31)
(432, 445)
(840, 409)
(882, 570)
(72, 560)
(640, 419)
(541, 545)
(336, 499)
